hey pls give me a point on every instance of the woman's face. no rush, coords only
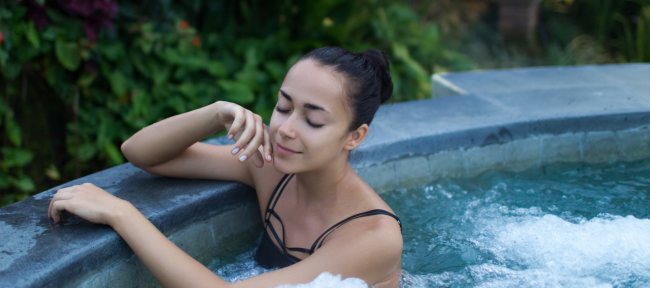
(309, 126)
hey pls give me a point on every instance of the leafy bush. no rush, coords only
(623, 26)
(81, 76)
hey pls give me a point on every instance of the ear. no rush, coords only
(356, 137)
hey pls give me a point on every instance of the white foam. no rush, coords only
(246, 267)
(327, 280)
(552, 243)
(532, 249)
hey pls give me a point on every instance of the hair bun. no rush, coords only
(377, 59)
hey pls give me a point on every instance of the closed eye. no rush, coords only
(314, 125)
(308, 122)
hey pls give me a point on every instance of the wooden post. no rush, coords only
(518, 18)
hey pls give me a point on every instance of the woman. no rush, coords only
(319, 214)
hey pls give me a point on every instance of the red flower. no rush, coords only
(196, 41)
(184, 25)
(1, 37)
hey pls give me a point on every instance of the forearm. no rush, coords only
(166, 139)
(167, 263)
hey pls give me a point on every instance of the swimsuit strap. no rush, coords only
(271, 212)
(270, 208)
(322, 237)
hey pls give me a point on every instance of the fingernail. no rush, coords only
(242, 158)
(229, 136)
(234, 151)
(268, 157)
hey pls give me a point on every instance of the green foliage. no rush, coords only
(621, 25)
(168, 57)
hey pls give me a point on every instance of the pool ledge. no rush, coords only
(508, 119)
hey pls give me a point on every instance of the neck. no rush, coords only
(325, 186)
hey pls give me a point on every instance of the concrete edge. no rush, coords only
(442, 87)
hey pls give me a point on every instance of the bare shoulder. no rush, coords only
(264, 180)
(376, 223)
(382, 230)
(369, 248)
(379, 232)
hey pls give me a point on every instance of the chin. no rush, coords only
(296, 166)
(284, 167)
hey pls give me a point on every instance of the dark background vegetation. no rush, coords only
(78, 77)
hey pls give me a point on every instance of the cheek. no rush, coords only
(325, 143)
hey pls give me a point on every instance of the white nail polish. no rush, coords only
(268, 157)
(234, 151)
(229, 136)
(242, 158)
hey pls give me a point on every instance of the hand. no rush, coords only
(248, 131)
(86, 201)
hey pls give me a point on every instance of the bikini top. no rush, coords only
(269, 255)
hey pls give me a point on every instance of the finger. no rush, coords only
(255, 143)
(238, 135)
(245, 138)
(61, 194)
(240, 119)
(257, 159)
(57, 207)
(267, 145)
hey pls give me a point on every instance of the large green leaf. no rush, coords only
(68, 54)
(177, 103)
(237, 92)
(216, 68)
(86, 79)
(114, 154)
(119, 83)
(16, 157)
(24, 183)
(276, 69)
(159, 73)
(188, 89)
(51, 32)
(141, 102)
(113, 50)
(86, 151)
(32, 35)
(138, 61)
(13, 132)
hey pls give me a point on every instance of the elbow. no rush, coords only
(127, 151)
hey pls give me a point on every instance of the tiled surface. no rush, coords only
(413, 171)
(517, 155)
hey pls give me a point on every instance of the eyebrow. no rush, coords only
(307, 105)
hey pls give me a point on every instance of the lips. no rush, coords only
(284, 150)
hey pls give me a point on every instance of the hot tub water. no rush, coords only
(564, 226)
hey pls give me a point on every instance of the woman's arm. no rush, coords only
(166, 139)
(167, 263)
(169, 147)
(367, 248)
(170, 265)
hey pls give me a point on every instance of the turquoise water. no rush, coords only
(564, 226)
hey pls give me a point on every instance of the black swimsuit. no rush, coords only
(269, 255)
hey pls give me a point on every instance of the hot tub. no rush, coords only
(479, 123)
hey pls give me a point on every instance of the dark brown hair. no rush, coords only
(367, 77)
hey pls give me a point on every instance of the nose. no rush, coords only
(287, 130)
